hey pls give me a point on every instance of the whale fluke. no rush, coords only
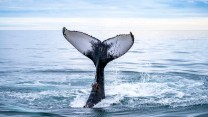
(101, 53)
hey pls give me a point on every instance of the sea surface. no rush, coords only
(164, 74)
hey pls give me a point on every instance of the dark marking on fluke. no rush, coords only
(101, 53)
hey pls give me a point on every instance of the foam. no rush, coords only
(147, 89)
(166, 90)
(80, 99)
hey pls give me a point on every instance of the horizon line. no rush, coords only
(46, 23)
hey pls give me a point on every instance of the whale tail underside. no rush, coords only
(99, 52)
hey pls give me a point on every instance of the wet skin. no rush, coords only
(98, 89)
(101, 53)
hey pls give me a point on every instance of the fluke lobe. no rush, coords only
(101, 53)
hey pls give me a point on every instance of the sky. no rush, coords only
(116, 14)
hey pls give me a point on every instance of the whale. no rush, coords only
(101, 53)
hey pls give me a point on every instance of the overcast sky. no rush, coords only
(23, 14)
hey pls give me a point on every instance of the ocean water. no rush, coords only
(165, 73)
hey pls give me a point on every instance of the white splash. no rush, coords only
(169, 91)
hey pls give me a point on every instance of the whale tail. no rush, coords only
(99, 52)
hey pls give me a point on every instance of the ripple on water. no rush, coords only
(157, 89)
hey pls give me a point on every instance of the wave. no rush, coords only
(26, 114)
(125, 90)
(173, 90)
(59, 71)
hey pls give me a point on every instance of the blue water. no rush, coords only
(165, 73)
